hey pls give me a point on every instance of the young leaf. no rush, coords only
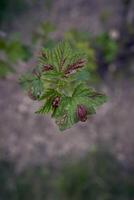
(66, 112)
(32, 84)
(5, 68)
(55, 82)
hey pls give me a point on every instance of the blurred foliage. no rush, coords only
(81, 40)
(104, 17)
(11, 51)
(5, 69)
(33, 184)
(101, 51)
(6, 180)
(48, 4)
(98, 176)
(30, 184)
(107, 46)
(9, 7)
(43, 34)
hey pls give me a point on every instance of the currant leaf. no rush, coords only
(59, 81)
(49, 96)
(32, 84)
(66, 113)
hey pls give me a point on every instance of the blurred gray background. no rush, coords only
(28, 140)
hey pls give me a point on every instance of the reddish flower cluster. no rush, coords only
(56, 102)
(47, 68)
(81, 113)
(71, 68)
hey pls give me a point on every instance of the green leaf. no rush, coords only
(51, 75)
(66, 112)
(26, 80)
(5, 68)
(60, 57)
(32, 83)
(59, 81)
(46, 107)
(49, 95)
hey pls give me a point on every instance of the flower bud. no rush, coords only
(56, 102)
(81, 113)
(47, 68)
(73, 67)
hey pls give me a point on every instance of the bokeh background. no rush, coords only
(92, 160)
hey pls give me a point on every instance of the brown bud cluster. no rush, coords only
(47, 68)
(56, 102)
(73, 67)
(81, 113)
